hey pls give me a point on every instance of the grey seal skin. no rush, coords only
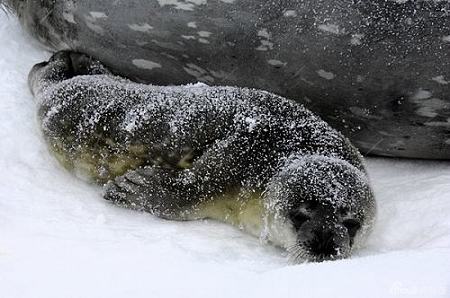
(246, 157)
(378, 70)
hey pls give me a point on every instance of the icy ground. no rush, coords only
(59, 238)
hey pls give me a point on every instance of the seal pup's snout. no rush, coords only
(323, 241)
(329, 244)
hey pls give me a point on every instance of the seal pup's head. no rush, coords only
(319, 208)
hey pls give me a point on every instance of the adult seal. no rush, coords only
(243, 156)
(377, 70)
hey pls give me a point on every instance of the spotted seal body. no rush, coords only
(378, 70)
(242, 156)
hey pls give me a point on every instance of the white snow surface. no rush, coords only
(59, 238)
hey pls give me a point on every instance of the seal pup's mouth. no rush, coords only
(320, 244)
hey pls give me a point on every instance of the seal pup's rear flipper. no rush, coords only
(63, 65)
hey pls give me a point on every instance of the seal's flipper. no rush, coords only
(172, 193)
(83, 64)
(63, 65)
(152, 189)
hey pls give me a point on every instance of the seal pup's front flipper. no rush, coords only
(152, 189)
(174, 193)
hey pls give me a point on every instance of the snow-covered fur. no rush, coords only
(243, 156)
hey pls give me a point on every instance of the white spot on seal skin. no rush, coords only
(169, 56)
(421, 94)
(68, 16)
(188, 37)
(356, 39)
(265, 43)
(307, 82)
(96, 28)
(276, 63)
(264, 33)
(98, 15)
(197, 2)
(167, 45)
(440, 80)
(140, 27)
(441, 124)
(192, 25)
(428, 107)
(203, 40)
(227, 1)
(183, 5)
(91, 20)
(220, 74)
(68, 10)
(145, 64)
(331, 28)
(446, 38)
(290, 13)
(326, 74)
(198, 72)
(204, 34)
(265, 46)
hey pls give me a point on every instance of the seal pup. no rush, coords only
(243, 156)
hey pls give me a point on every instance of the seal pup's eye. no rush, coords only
(352, 226)
(298, 218)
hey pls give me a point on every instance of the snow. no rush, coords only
(59, 238)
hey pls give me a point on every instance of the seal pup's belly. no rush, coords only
(247, 211)
(101, 164)
(242, 210)
(98, 164)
